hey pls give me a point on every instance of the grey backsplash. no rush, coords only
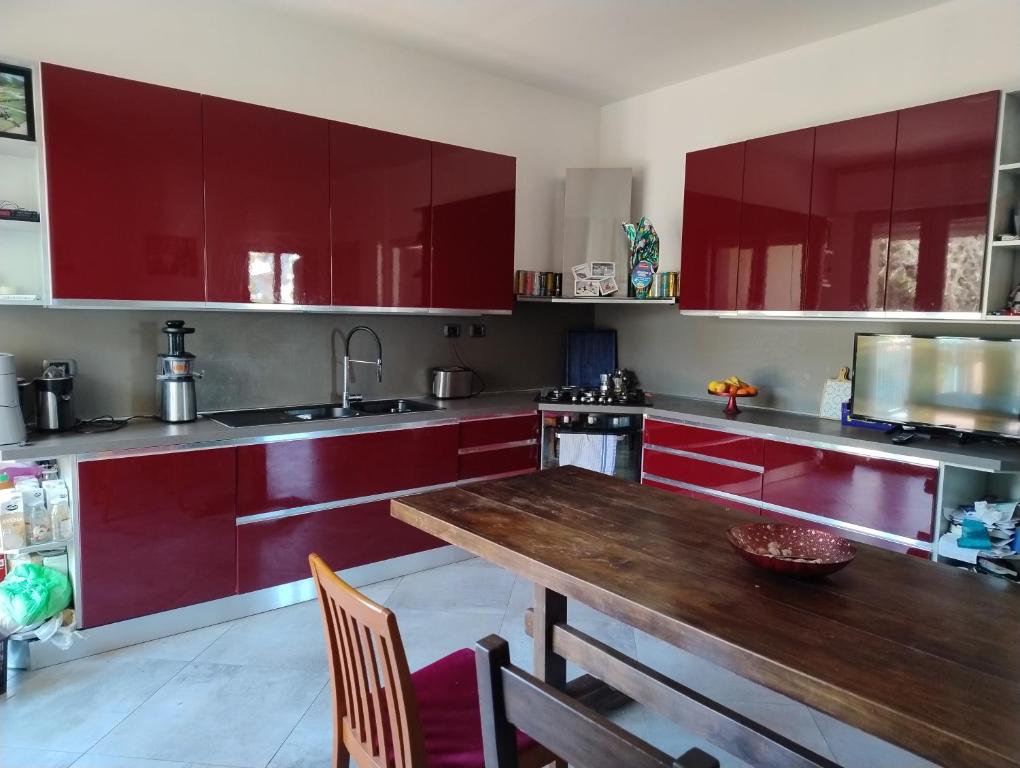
(254, 359)
(788, 360)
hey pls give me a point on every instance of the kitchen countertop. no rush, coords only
(985, 456)
(149, 433)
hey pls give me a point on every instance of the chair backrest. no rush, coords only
(374, 707)
(510, 698)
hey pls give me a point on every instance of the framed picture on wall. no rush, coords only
(17, 114)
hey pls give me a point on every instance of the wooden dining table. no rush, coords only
(919, 654)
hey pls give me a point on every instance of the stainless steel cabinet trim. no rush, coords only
(703, 457)
(497, 446)
(747, 502)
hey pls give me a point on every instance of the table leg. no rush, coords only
(550, 609)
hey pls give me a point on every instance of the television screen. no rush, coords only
(963, 384)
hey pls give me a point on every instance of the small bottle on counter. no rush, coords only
(40, 523)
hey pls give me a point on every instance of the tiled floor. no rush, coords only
(253, 692)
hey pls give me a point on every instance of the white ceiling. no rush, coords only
(601, 50)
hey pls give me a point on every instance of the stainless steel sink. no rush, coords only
(380, 407)
(261, 417)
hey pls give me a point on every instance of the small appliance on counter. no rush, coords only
(175, 377)
(453, 382)
(54, 396)
(12, 422)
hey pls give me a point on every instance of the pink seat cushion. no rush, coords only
(447, 692)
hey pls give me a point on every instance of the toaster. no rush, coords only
(452, 382)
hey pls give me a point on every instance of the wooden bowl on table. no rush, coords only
(795, 550)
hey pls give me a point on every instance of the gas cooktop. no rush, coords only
(593, 396)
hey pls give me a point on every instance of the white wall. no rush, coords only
(950, 50)
(225, 49)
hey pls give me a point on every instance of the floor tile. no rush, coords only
(86, 697)
(430, 635)
(470, 585)
(791, 720)
(185, 646)
(18, 757)
(94, 760)
(290, 638)
(674, 741)
(224, 714)
(310, 744)
(380, 591)
(853, 748)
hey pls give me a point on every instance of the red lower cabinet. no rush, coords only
(753, 510)
(157, 533)
(849, 534)
(296, 473)
(705, 474)
(520, 458)
(276, 552)
(882, 494)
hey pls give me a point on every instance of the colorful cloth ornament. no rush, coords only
(644, 255)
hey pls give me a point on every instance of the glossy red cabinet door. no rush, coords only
(774, 220)
(276, 552)
(266, 204)
(707, 442)
(124, 178)
(881, 494)
(296, 473)
(505, 429)
(381, 198)
(748, 508)
(713, 187)
(848, 534)
(157, 532)
(704, 474)
(942, 189)
(473, 196)
(851, 201)
(501, 461)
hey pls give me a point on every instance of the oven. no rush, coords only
(599, 439)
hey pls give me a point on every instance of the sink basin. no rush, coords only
(262, 417)
(380, 407)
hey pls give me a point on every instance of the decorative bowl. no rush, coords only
(795, 550)
(731, 405)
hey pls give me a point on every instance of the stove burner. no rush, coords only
(593, 396)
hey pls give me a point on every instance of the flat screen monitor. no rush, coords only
(953, 383)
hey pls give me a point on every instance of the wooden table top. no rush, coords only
(920, 654)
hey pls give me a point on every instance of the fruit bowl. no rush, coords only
(731, 405)
(794, 550)
(732, 387)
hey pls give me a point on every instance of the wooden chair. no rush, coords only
(511, 699)
(385, 717)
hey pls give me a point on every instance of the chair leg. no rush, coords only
(342, 758)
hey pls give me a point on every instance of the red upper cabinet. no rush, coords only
(713, 187)
(124, 173)
(381, 198)
(774, 220)
(266, 204)
(157, 532)
(941, 195)
(473, 196)
(851, 201)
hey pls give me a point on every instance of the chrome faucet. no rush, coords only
(348, 397)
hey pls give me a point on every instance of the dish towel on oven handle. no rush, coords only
(594, 452)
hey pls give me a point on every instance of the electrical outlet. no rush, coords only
(476, 330)
(451, 331)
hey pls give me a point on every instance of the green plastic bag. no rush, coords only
(32, 593)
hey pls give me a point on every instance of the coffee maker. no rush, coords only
(175, 377)
(12, 422)
(54, 396)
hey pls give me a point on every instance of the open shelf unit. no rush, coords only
(1002, 272)
(23, 244)
(593, 300)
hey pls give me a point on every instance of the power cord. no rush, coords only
(105, 424)
(455, 349)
